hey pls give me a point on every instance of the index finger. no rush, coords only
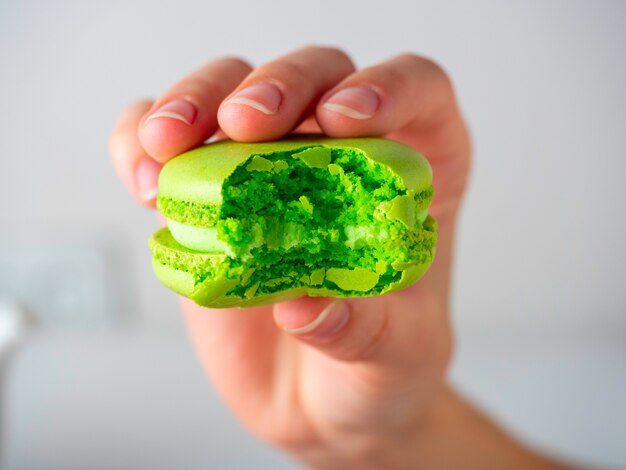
(186, 115)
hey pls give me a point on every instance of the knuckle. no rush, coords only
(425, 66)
(215, 79)
(369, 341)
(327, 50)
(199, 87)
(234, 62)
(285, 71)
(391, 75)
(306, 65)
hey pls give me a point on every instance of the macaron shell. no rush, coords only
(197, 176)
(201, 276)
(210, 292)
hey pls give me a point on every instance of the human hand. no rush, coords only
(337, 383)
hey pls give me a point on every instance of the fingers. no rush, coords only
(277, 96)
(377, 100)
(406, 92)
(186, 115)
(137, 170)
(392, 333)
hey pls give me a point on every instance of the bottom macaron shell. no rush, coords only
(212, 289)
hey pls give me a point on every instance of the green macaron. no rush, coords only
(257, 223)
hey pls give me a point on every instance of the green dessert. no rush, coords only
(257, 223)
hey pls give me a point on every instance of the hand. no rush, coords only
(343, 383)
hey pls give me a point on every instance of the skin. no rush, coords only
(364, 384)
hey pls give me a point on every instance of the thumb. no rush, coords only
(395, 331)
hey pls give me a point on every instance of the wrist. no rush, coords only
(378, 445)
(456, 435)
(449, 434)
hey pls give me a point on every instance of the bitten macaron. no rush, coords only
(257, 223)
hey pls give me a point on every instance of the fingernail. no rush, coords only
(328, 323)
(146, 178)
(263, 97)
(179, 109)
(357, 102)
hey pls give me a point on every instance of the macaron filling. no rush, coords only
(321, 217)
(202, 239)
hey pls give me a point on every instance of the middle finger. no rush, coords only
(277, 96)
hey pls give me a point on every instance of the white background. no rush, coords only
(540, 291)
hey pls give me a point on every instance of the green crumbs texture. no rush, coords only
(313, 220)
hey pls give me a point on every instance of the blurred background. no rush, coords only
(96, 369)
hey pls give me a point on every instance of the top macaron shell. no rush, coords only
(197, 176)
